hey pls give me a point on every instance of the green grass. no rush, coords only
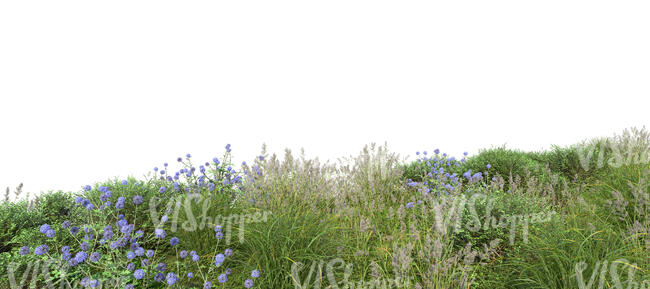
(368, 220)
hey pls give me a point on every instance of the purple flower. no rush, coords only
(171, 278)
(159, 277)
(255, 273)
(217, 228)
(228, 271)
(137, 200)
(128, 286)
(164, 219)
(248, 283)
(173, 241)
(88, 188)
(65, 225)
(219, 258)
(183, 254)
(139, 251)
(50, 233)
(130, 255)
(223, 278)
(228, 252)
(24, 250)
(207, 285)
(163, 189)
(45, 228)
(161, 267)
(81, 256)
(65, 256)
(488, 166)
(95, 256)
(219, 235)
(144, 262)
(74, 230)
(409, 205)
(40, 250)
(190, 275)
(84, 246)
(124, 182)
(149, 253)
(138, 274)
(160, 233)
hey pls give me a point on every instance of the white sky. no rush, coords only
(92, 90)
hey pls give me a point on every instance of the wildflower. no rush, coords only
(144, 262)
(217, 228)
(87, 188)
(74, 230)
(138, 274)
(228, 252)
(40, 250)
(160, 233)
(171, 278)
(219, 235)
(173, 241)
(163, 189)
(228, 271)
(161, 267)
(164, 219)
(81, 256)
(255, 273)
(207, 285)
(137, 200)
(409, 205)
(65, 225)
(130, 255)
(128, 286)
(248, 283)
(195, 257)
(488, 166)
(45, 228)
(50, 233)
(179, 159)
(139, 251)
(188, 156)
(95, 256)
(65, 256)
(219, 258)
(149, 253)
(228, 147)
(159, 277)
(223, 278)
(84, 246)
(436, 151)
(24, 250)
(124, 182)
(130, 267)
(155, 169)
(190, 275)
(183, 254)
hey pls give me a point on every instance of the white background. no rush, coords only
(93, 90)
